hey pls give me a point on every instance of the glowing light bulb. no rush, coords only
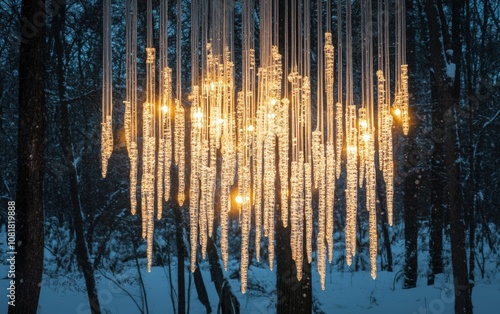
(250, 128)
(273, 101)
(164, 108)
(198, 115)
(363, 124)
(366, 137)
(238, 199)
(397, 112)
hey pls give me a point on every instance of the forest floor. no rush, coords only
(346, 292)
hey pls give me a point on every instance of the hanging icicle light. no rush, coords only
(366, 142)
(264, 132)
(130, 118)
(107, 91)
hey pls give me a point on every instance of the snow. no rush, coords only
(346, 292)
(450, 70)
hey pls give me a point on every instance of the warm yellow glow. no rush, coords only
(107, 92)
(198, 115)
(106, 144)
(238, 199)
(261, 135)
(363, 124)
(404, 99)
(283, 136)
(179, 148)
(133, 177)
(339, 137)
(352, 183)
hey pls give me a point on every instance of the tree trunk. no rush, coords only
(437, 185)
(31, 146)
(383, 221)
(179, 239)
(411, 230)
(82, 254)
(200, 288)
(228, 302)
(293, 296)
(414, 181)
(449, 94)
(473, 183)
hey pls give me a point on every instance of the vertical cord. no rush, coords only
(179, 55)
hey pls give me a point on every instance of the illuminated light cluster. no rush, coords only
(130, 115)
(325, 78)
(329, 69)
(352, 183)
(385, 142)
(160, 177)
(166, 131)
(330, 197)
(247, 127)
(179, 148)
(283, 137)
(127, 121)
(308, 210)
(297, 214)
(319, 179)
(242, 133)
(205, 200)
(107, 91)
(401, 68)
(339, 138)
(269, 193)
(149, 155)
(164, 141)
(196, 155)
(258, 172)
(228, 149)
(245, 221)
(133, 176)
(366, 140)
(388, 174)
(362, 143)
(106, 144)
(147, 181)
(371, 197)
(330, 163)
(404, 99)
(212, 130)
(197, 166)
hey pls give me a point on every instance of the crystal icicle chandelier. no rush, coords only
(263, 132)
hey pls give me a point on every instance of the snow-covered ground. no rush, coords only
(346, 292)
